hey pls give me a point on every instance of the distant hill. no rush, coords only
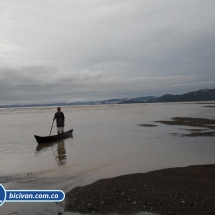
(110, 101)
(138, 100)
(200, 95)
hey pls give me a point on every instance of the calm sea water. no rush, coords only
(107, 142)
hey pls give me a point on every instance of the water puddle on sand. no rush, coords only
(45, 209)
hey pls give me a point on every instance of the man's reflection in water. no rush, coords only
(61, 153)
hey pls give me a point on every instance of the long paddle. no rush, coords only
(51, 128)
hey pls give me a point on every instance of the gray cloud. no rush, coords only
(27, 86)
(80, 50)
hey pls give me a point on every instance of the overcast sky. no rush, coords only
(79, 50)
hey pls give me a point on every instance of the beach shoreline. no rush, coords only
(182, 190)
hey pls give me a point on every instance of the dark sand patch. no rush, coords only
(179, 191)
(199, 134)
(147, 125)
(194, 130)
(210, 106)
(196, 133)
(193, 122)
(174, 134)
(188, 121)
(205, 103)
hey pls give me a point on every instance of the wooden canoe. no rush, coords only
(48, 139)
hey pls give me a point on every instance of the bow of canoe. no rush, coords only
(47, 139)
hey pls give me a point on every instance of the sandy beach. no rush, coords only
(172, 191)
(175, 191)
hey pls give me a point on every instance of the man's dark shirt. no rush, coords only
(59, 116)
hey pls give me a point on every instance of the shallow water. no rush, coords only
(107, 142)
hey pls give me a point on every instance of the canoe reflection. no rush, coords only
(59, 151)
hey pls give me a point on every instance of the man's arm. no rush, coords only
(54, 117)
(63, 120)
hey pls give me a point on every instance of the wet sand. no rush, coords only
(210, 106)
(190, 121)
(208, 125)
(147, 125)
(178, 191)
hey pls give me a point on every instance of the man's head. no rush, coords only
(58, 109)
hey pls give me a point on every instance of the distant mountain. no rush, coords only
(138, 100)
(110, 101)
(200, 95)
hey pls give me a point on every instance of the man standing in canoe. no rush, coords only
(59, 116)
